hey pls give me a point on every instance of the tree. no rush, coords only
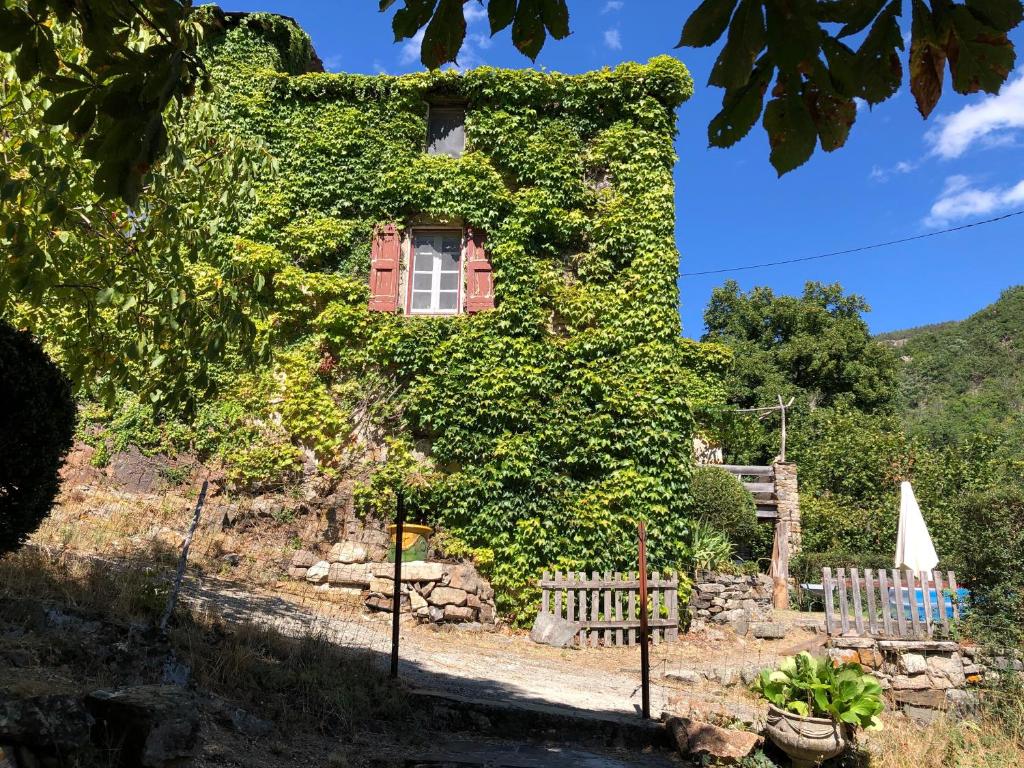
(798, 55)
(815, 348)
(148, 296)
(36, 426)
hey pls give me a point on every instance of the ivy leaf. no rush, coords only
(707, 23)
(745, 41)
(927, 60)
(556, 18)
(980, 58)
(528, 29)
(791, 132)
(1001, 15)
(740, 109)
(444, 34)
(500, 14)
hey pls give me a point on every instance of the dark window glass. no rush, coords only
(446, 131)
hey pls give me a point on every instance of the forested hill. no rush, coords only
(966, 377)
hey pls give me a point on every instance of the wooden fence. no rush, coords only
(607, 606)
(894, 604)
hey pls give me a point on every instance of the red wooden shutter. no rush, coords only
(479, 279)
(385, 258)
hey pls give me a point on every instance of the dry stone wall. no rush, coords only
(432, 592)
(733, 601)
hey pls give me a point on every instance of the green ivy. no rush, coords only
(540, 432)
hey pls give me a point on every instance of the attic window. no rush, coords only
(446, 131)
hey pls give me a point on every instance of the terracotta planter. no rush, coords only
(807, 740)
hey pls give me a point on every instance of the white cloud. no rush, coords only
(903, 166)
(613, 39)
(473, 12)
(994, 120)
(961, 200)
(612, 5)
(860, 104)
(332, 63)
(411, 48)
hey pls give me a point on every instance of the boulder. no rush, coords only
(915, 683)
(459, 613)
(447, 596)
(466, 578)
(154, 725)
(549, 629)
(768, 630)
(317, 573)
(297, 573)
(350, 575)
(348, 552)
(414, 571)
(303, 559)
(913, 663)
(713, 588)
(721, 746)
(417, 601)
(52, 723)
(486, 614)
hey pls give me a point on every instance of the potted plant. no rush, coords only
(815, 705)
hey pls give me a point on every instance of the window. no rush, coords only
(446, 131)
(435, 275)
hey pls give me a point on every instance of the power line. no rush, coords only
(853, 250)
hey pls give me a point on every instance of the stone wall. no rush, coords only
(788, 495)
(430, 591)
(922, 677)
(734, 601)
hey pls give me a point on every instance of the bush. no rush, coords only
(806, 566)
(37, 423)
(993, 557)
(721, 501)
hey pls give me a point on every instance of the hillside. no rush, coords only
(965, 377)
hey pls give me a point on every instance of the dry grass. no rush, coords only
(304, 683)
(994, 739)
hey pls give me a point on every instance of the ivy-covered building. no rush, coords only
(478, 271)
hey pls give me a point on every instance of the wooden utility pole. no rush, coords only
(763, 412)
(645, 659)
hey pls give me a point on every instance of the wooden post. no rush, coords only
(396, 599)
(782, 442)
(172, 599)
(645, 660)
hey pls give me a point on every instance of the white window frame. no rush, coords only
(435, 289)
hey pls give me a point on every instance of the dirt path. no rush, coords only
(502, 665)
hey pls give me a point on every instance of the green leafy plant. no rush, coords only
(812, 686)
(707, 548)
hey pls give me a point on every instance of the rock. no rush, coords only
(687, 676)
(317, 573)
(916, 683)
(155, 725)
(350, 575)
(435, 613)
(231, 558)
(947, 668)
(459, 613)
(348, 552)
(922, 715)
(913, 663)
(303, 559)
(767, 630)
(549, 629)
(414, 571)
(57, 723)
(712, 588)
(870, 658)
(379, 603)
(486, 614)
(382, 586)
(447, 596)
(466, 578)
(417, 601)
(473, 601)
(961, 702)
(426, 589)
(720, 745)
(297, 573)
(923, 698)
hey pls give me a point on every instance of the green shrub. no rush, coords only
(37, 423)
(706, 548)
(806, 566)
(721, 501)
(993, 557)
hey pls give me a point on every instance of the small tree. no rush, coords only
(721, 501)
(37, 423)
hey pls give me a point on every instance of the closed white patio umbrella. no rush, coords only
(914, 548)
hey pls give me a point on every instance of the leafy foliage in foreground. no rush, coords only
(37, 421)
(812, 686)
(799, 64)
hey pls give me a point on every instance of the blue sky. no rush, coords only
(898, 175)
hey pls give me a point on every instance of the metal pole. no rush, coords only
(645, 659)
(396, 599)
